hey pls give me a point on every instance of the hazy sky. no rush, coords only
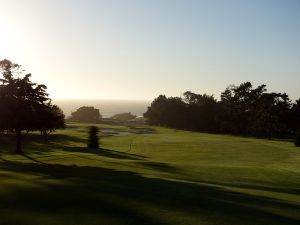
(135, 49)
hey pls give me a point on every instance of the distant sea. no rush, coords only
(107, 108)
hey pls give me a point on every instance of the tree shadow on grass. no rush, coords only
(34, 159)
(36, 137)
(39, 144)
(119, 154)
(163, 167)
(7, 143)
(121, 197)
(265, 186)
(105, 153)
(52, 139)
(61, 142)
(289, 186)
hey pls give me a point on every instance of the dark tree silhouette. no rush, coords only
(242, 110)
(253, 111)
(50, 118)
(156, 113)
(93, 139)
(201, 110)
(25, 105)
(86, 114)
(294, 117)
(168, 112)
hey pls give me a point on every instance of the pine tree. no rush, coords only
(93, 141)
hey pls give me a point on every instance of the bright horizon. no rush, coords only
(102, 99)
(135, 50)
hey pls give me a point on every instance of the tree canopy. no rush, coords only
(86, 114)
(242, 110)
(25, 105)
(123, 117)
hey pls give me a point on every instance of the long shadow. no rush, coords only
(60, 141)
(33, 159)
(35, 137)
(266, 188)
(39, 144)
(120, 155)
(7, 143)
(164, 167)
(105, 153)
(248, 184)
(123, 197)
(64, 139)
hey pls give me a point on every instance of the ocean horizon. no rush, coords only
(107, 108)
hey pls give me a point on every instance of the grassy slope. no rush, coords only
(171, 177)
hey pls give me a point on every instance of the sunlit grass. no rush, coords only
(168, 177)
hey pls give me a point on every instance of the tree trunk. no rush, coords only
(19, 141)
(45, 135)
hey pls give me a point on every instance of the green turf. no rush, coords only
(168, 177)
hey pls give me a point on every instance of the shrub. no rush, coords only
(86, 114)
(93, 141)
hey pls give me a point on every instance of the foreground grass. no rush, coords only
(169, 177)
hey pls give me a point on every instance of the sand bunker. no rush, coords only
(133, 130)
(142, 130)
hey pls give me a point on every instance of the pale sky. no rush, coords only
(138, 49)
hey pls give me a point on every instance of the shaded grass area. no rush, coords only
(170, 177)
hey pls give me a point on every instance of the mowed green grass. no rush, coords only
(169, 177)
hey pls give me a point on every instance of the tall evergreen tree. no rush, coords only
(93, 139)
